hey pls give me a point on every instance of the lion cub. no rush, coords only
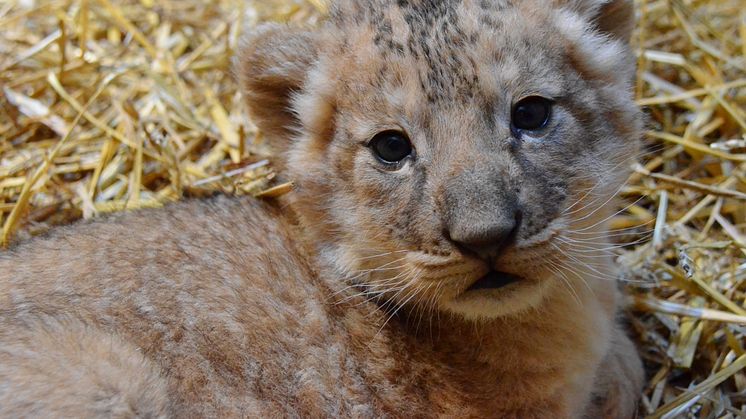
(444, 253)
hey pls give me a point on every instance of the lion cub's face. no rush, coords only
(457, 155)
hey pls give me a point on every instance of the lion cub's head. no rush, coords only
(457, 155)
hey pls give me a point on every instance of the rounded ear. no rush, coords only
(273, 64)
(615, 18)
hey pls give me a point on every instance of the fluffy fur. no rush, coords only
(353, 299)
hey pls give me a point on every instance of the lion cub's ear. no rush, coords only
(615, 18)
(273, 65)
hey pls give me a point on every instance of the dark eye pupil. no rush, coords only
(391, 146)
(531, 113)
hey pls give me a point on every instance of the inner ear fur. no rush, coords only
(273, 65)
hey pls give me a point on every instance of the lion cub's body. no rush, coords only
(210, 309)
(471, 277)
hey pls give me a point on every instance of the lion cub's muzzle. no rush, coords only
(494, 280)
(482, 214)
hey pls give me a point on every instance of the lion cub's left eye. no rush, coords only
(532, 113)
(391, 147)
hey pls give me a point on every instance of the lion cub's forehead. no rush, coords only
(452, 43)
(424, 17)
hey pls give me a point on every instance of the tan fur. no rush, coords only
(351, 299)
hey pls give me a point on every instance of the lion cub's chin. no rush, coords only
(487, 304)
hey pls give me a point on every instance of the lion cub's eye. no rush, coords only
(532, 113)
(391, 147)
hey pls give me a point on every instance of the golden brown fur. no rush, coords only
(352, 298)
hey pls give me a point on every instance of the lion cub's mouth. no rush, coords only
(494, 280)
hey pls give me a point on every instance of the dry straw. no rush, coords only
(113, 105)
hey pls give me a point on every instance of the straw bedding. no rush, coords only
(115, 105)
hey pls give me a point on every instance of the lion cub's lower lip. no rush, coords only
(494, 280)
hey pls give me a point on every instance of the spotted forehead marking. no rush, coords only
(435, 36)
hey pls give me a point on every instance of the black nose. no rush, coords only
(489, 236)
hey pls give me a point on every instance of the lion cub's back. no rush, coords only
(153, 259)
(216, 293)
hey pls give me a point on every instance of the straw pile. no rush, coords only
(107, 106)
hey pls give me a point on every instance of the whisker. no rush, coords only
(414, 292)
(566, 254)
(353, 285)
(602, 180)
(389, 284)
(598, 183)
(607, 218)
(392, 299)
(622, 231)
(586, 248)
(591, 241)
(420, 312)
(571, 268)
(568, 285)
(570, 235)
(383, 254)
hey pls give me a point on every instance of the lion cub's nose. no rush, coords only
(486, 237)
(482, 214)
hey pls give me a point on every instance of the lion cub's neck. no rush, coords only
(548, 348)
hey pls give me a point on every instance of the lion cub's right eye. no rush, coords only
(391, 147)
